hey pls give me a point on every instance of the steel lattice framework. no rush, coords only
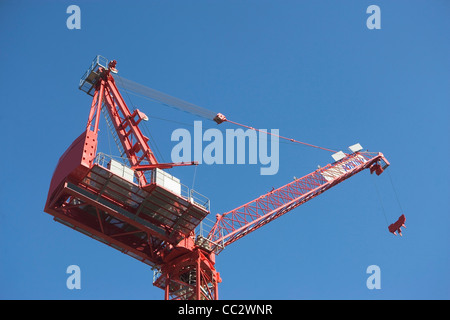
(238, 222)
(151, 222)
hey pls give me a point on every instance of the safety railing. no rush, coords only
(202, 231)
(90, 77)
(199, 199)
(188, 194)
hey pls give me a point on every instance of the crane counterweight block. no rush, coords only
(75, 163)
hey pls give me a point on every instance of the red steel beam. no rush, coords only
(238, 222)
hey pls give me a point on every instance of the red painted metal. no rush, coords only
(163, 165)
(236, 223)
(397, 225)
(151, 223)
(219, 118)
(189, 274)
(144, 219)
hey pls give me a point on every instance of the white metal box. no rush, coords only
(167, 181)
(121, 170)
(355, 148)
(338, 155)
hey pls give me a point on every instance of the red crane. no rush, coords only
(142, 211)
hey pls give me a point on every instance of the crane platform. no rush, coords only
(112, 208)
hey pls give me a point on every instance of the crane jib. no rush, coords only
(342, 168)
(236, 223)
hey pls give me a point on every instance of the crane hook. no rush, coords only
(396, 226)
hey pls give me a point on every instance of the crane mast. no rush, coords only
(132, 209)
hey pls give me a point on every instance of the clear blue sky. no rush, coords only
(309, 68)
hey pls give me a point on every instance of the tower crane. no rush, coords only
(142, 211)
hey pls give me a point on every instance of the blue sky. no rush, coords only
(311, 69)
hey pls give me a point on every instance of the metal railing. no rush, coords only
(188, 194)
(199, 199)
(87, 81)
(202, 240)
